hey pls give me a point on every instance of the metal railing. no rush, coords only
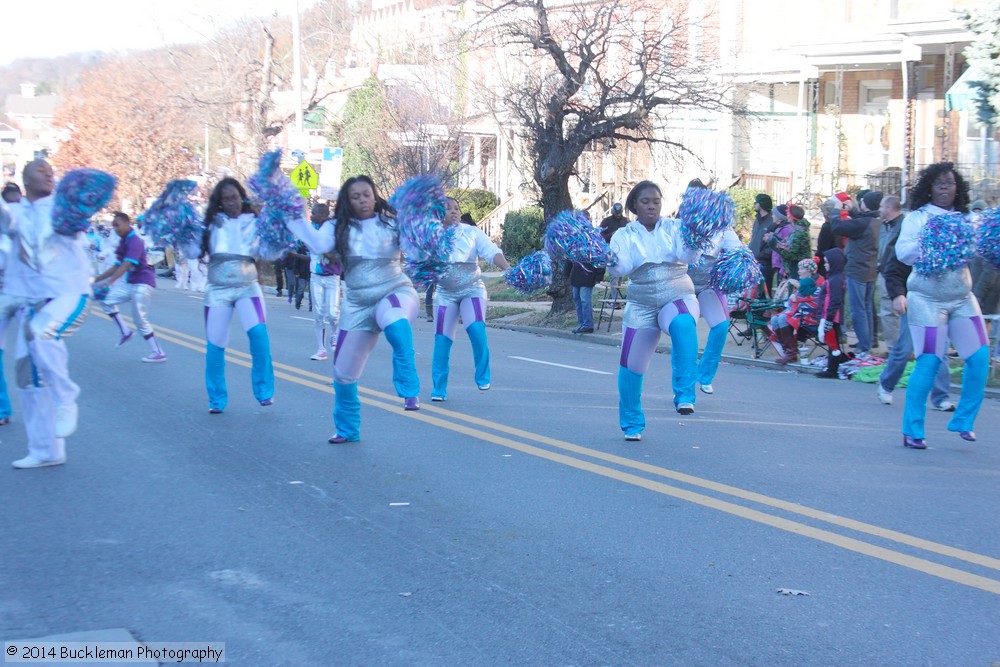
(492, 222)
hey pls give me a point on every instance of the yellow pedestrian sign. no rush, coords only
(304, 176)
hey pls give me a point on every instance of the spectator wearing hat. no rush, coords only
(11, 193)
(892, 218)
(832, 208)
(797, 246)
(762, 224)
(613, 222)
(862, 232)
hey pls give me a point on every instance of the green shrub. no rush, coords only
(743, 198)
(522, 232)
(475, 202)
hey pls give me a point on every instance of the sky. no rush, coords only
(57, 27)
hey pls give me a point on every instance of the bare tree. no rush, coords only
(120, 119)
(571, 73)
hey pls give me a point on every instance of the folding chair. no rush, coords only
(613, 299)
(808, 335)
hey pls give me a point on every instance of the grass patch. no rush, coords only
(498, 290)
(496, 312)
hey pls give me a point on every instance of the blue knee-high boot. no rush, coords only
(480, 353)
(261, 370)
(709, 363)
(974, 376)
(4, 397)
(917, 391)
(347, 410)
(440, 366)
(683, 357)
(404, 367)
(630, 415)
(215, 376)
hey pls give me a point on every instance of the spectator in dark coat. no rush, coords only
(892, 218)
(762, 224)
(583, 278)
(831, 210)
(613, 222)
(862, 232)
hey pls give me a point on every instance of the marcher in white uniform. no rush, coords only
(660, 298)
(324, 289)
(461, 291)
(51, 272)
(378, 296)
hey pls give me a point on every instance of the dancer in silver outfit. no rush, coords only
(461, 291)
(378, 297)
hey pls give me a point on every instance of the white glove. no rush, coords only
(824, 326)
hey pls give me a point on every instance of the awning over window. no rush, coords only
(962, 96)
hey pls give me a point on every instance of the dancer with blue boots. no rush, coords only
(461, 291)
(655, 253)
(231, 241)
(940, 306)
(378, 297)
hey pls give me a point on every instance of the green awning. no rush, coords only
(962, 96)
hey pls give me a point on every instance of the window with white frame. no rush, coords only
(874, 96)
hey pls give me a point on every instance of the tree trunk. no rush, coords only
(555, 198)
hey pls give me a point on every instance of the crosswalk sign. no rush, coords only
(304, 176)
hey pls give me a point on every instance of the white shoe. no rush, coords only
(884, 397)
(484, 387)
(30, 461)
(633, 437)
(945, 406)
(685, 408)
(66, 417)
(437, 399)
(707, 389)
(319, 356)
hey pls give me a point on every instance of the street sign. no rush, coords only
(304, 176)
(331, 166)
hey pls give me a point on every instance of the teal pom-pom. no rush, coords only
(569, 234)
(80, 194)
(947, 242)
(704, 214)
(173, 216)
(735, 271)
(531, 274)
(281, 202)
(988, 236)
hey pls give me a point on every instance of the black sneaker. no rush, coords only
(587, 330)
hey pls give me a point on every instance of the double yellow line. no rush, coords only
(500, 434)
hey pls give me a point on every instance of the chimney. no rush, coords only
(27, 90)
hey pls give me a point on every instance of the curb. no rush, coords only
(612, 341)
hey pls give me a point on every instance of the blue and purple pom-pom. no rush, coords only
(172, 214)
(101, 291)
(424, 272)
(81, 194)
(735, 271)
(704, 214)
(569, 234)
(947, 242)
(531, 274)
(420, 209)
(988, 236)
(281, 202)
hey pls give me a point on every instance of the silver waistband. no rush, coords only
(227, 270)
(950, 286)
(659, 284)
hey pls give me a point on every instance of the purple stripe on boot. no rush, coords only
(626, 346)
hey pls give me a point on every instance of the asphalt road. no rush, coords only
(508, 527)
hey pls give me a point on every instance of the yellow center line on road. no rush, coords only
(440, 417)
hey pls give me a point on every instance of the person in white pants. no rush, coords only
(51, 271)
(324, 288)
